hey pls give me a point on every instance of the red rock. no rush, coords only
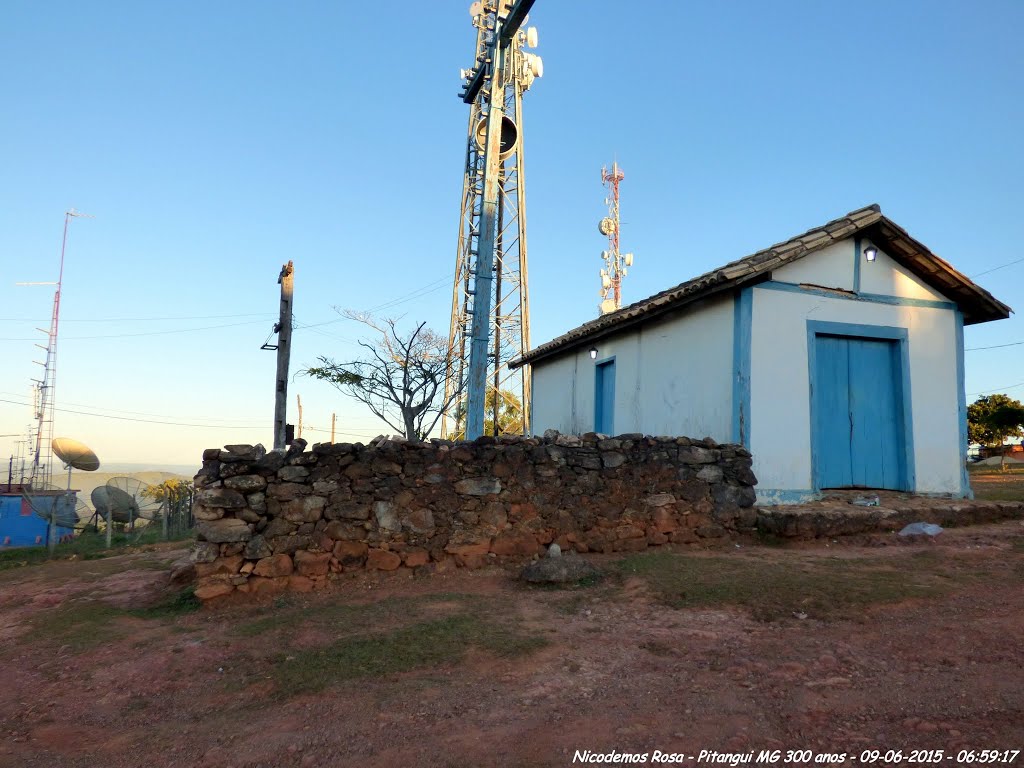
(630, 545)
(208, 589)
(472, 562)
(469, 550)
(273, 566)
(657, 539)
(350, 552)
(259, 585)
(227, 565)
(595, 541)
(298, 583)
(312, 563)
(415, 557)
(664, 520)
(322, 540)
(344, 531)
(383, 560)
(683, 536)
(629, 532)
(513, 544)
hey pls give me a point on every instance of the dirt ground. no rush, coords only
(837, 647)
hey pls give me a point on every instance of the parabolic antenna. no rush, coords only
(134, 497)
(75, 454)
(509, 136)
(119, 505)
(53, 504)
(606, 226)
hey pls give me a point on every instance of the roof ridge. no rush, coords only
(745, 269)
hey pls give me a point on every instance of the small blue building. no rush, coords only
(19, 525)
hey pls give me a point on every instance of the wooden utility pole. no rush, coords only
(284, 349)
(298, 403)
(334, 419)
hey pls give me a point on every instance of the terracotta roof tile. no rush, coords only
(977, 304)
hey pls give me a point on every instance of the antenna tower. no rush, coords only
(615, 263)
(492, 232)
(42, 457)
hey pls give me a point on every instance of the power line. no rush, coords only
(423, 290)
(1001, 266)
(136, 319)
(117, 410)
(185, 424)
(997, 389)
(142, 421)
(144, 333)
(995, 346)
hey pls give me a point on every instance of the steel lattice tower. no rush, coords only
(42, 452)
(508, 392)
(615, 262)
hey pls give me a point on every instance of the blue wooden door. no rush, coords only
(858, 437)
(604, 398)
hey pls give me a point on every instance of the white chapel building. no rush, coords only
(836, 358)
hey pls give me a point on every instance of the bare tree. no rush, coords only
(400, 379)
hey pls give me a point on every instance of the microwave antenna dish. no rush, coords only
(60, 507)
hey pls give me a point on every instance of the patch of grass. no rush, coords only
(177, 604)
(424, 644)
(80, 625)
(823, 588)
(85, 624)
(290, 611)
(88, 545)
(991, 484)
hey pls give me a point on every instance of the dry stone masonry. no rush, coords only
(269, 521)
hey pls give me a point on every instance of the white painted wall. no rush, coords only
(831, 267)
(780, 430)
(675, 377)
(888, 278)
(672, 377)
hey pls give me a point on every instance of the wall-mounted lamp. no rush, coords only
(593, 353)
(870, 253)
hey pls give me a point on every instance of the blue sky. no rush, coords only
(215, 141)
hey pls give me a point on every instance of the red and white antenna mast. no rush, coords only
(615, 262)
(42, 459)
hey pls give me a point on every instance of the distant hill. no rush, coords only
(124, 468)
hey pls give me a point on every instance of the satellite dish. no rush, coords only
(536, 64)
(132, 498)
(531, 37)
(114, 504)
(606, 226)
(75, 454)
(59, 507)
(476, 9)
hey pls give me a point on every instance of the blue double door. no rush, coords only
(859, 430)
(604, 397)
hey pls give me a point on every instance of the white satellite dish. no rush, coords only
(75, 454)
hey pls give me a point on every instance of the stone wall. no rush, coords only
(294, 519)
